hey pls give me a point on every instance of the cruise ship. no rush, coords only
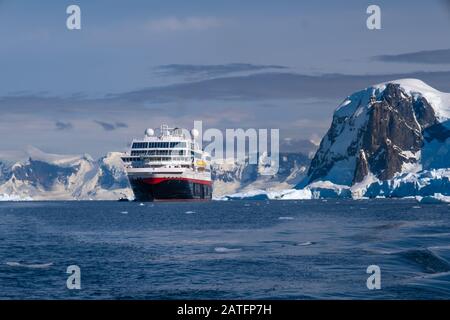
(167, 164)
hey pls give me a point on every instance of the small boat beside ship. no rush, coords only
(168, 164)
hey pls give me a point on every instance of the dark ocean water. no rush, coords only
(225, 250)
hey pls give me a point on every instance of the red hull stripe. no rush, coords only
(159, 180)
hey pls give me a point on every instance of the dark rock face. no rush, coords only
(395, 128)
(362, 167)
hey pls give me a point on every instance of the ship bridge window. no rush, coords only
(166, 152)
(138, 153)
(165, 145)
(159, 159)
(140, 145)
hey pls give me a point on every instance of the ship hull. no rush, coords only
(170, 189)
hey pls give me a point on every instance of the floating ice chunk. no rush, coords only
(226, 250)
(30, 266)
(436, 198)
(307, 243)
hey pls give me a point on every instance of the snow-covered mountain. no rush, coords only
(231, 177)
(390, 139)
(55, 177)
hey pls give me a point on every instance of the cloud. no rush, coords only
(441, 56)
(60, 125)
(274, 85)
(182, 24)
(111, 126)
(121, 125)
(260, 87)
(192, 72)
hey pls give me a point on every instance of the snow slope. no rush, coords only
(55, 177)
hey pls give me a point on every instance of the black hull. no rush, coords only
(170, 190)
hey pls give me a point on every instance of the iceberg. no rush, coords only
(437, 198)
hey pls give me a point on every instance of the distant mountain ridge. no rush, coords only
(55, 177)
(60, 177)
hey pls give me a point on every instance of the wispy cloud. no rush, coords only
(182, 24)
(111, 126)
(274, 85)
(261, 87)
(441, 56)
(121, 125)
(60, 125)
(192, 72)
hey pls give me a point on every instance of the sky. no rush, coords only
(232, 64)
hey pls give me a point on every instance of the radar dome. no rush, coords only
(149, 132)
(195, 133)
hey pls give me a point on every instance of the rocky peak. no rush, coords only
(380, 130)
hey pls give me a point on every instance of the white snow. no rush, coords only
(327, 185)
(288, 194)
(293, 194)
(7, 197)
(359, 189)
(56, 159)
